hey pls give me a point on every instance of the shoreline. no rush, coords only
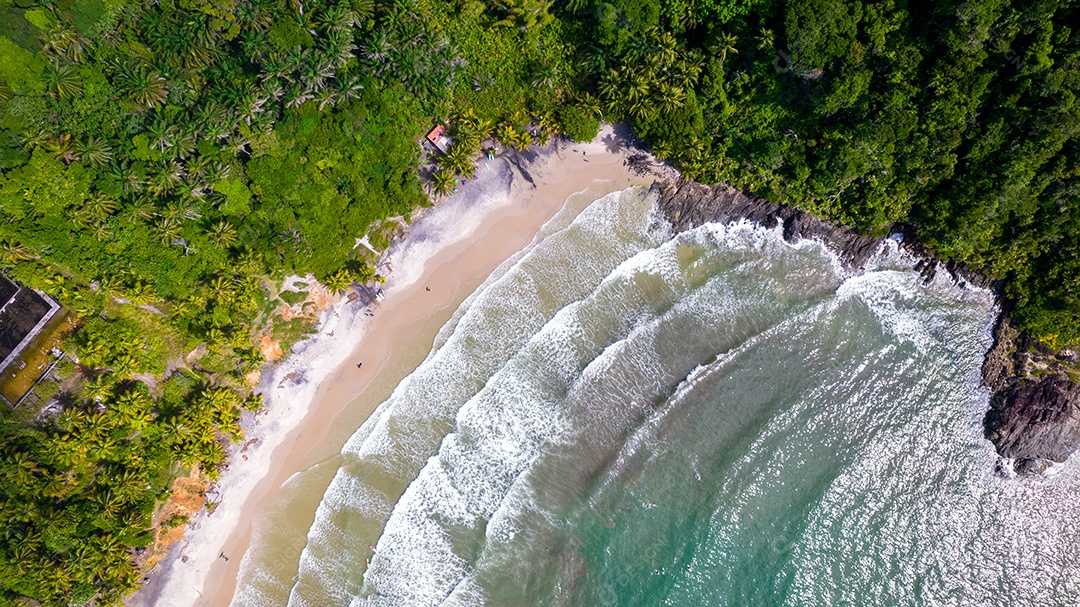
(448, 251)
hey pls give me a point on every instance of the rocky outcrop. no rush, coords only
(685, 205)
(1035, 411)
(1036, 422)
(1034, 416)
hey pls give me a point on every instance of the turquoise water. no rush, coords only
(619, 417)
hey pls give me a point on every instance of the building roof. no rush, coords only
(23, 312)
(437, 137)
(28, 324)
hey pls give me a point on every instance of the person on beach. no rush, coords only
(358, 365)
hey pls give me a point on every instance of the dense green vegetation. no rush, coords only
(162, 162)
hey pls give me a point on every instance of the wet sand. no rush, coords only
(448, 253)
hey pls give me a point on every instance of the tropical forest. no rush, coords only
(163, 161)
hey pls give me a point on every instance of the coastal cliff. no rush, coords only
(1034, 418)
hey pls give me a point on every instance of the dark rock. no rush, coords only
(1001, 364)
(1034, 417)
(1030, 467)
(687, 205)
(1035, 420)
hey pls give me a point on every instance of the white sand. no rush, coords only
(447, 254)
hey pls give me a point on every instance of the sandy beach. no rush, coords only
(317, 397)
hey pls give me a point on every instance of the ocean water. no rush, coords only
(622, 417)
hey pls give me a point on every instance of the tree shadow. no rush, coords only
(621, 138)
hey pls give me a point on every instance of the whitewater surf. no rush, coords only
(623, 416)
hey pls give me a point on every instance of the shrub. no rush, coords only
(578, 123)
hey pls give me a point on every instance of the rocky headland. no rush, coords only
(1034, 417)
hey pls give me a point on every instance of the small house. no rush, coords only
(438, 138)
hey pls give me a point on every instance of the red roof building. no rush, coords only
(437, 137)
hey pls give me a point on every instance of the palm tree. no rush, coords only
(506, 134)
(254, 17)
(338, 281)
(198, 166)
(63, 43)
(521, 139)
(637, 88)
(12, 252)
(141, 294)
(443, 182)
(94, 151)
(458, 159)
(590, 104)
(20, 467)
(166, 176)
(109, 286)
(726, 45)
(60, 147)
(128, 176)
(123, 366)
(271, 90)
(667, 49)
(217, 171)
(162, 132)
(79, 217)
(610, 88)
(184, 143)
(62, 80)
(222, 234)
(98, 390)
(525, 14)
(215, 337)
(689, 69)
(144, 86)
(348, 86)
(223, 288)
(766, 39)
(546, 76)
(249, 262)
(177, 431)
(56, 284)
(640, 108)
(100, 207)
(168, 230)
(325, 97)
(221, 398)
(671, 97)
(661, 149)
(468, 169)
(103, 232)
(467, 119)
